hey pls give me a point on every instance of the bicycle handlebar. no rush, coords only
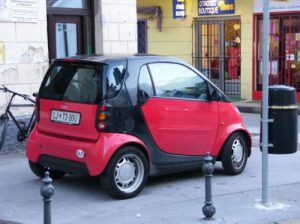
(26, 97)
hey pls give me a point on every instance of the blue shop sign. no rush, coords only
(215, 7)
(178, 9)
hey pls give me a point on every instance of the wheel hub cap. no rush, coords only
(237, 152)
(126, 172)
(129, 173)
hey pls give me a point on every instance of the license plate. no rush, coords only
(65, 117)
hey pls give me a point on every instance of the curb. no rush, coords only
(248, 109)
(254, 110)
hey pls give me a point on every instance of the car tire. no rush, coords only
(126, 173)
(40, 170)
(235, 154)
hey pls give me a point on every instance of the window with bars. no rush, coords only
(142, 36)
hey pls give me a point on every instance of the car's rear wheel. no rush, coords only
(235, 154)
(126, 173)
(40, 170)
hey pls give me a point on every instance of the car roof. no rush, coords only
(113, 57)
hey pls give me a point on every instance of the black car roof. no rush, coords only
(112, 57)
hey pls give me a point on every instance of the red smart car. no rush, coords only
(125, 118)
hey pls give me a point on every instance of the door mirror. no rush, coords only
(216, 96)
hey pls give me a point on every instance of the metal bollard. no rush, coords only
(47, 191)
(208, 168)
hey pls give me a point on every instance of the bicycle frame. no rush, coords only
(24, 132)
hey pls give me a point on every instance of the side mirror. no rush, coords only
(216, 96)
(35, 94)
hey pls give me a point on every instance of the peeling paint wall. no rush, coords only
(23, 55)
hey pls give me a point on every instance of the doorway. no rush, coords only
(217, 52)
(65, 35)
(70, 28)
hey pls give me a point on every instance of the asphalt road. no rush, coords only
(176, 198)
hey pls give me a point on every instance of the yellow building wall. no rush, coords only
(176, 37)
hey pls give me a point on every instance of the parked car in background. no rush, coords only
(125, 118)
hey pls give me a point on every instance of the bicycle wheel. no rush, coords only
(3, 125)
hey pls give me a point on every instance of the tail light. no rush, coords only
(102, 117)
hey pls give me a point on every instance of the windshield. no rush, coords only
(71, 82)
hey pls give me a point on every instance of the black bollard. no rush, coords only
(208, 168)
(47, 191)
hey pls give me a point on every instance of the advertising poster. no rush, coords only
(18, 10)
(215, 7)
(178, 9)
(277, 5)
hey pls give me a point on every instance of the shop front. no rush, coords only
(218, 44)
(284, 45)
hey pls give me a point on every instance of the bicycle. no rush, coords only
(23, 129)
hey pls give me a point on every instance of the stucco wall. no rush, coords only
(176, 38)
(24, 58)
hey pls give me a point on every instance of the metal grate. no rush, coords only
(142, 36)
(217, 53)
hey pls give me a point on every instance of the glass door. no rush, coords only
(70, 27)
(65, 36)
(218, 53)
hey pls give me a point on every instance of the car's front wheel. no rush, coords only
(40, 170)
(234, 154)
(126, 173)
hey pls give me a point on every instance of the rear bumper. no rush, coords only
(60, 153)
(68, 166)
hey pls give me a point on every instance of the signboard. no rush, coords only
(178, 9)
(18, 10)
(278, 5)
(215, 7)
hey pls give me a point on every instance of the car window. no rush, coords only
(114, 79)
(178, 81)
(78, 83)
(145, 83)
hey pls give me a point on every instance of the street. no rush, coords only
(176, 198)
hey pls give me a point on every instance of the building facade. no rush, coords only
(215, 36)
(33, 32)
(222, 38)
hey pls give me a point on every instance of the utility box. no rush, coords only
(283, 130)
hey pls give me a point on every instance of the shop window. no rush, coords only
(284, 51)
